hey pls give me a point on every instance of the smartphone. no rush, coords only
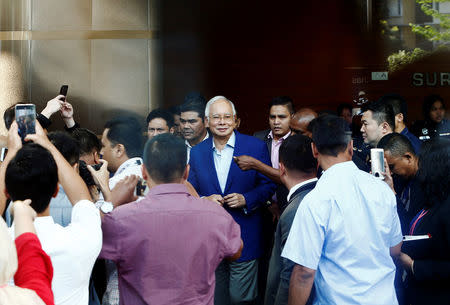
(63, 91)
(377, 162)
(26, 119)
(141, 187)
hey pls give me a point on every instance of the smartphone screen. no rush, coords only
(26, 119)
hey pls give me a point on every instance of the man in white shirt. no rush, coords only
(32, 172)
(344, 230)
(122, 143)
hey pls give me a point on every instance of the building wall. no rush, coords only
(104, 50)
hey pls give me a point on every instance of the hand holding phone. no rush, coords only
(26, 119)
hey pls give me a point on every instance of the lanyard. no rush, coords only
(416, 220)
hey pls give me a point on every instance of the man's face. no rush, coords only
(221, 120)
(192, 126)
(108, 152)
(279, 119)
(347, 115)
(177, 125)
(157, 126)
(437, 112)
(371, 131)
(401, 166)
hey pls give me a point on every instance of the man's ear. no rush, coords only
(145, 174)
(315, 152)
(386, 128)
(75, 167)
(186, 172)
(399, 117)
(206, 122)
(96, 157)
(408, 156)
(56, 190)
(5, 191)
(282, 169)
(350, 147)
(172, 130)
(119, 150)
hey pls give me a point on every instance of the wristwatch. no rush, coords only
(105, 206)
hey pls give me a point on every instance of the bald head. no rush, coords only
(300, 121)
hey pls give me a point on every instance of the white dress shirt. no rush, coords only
(72, 250)
(297, 186)
(132, 166)
(344, 229)
(223, 159)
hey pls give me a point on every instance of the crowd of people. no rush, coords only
(188, 210)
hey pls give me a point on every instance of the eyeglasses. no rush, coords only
(217, 118)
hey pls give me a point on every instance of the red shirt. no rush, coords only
(35, 269)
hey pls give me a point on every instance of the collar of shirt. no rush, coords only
(231, 142)
(299, 185)
(348, 165)
(44, 221)
(128, 163)
(270, 136)
(189, 145)
(168, 188)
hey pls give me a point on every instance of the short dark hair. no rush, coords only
(161, 114)
(165, 157)
(194, 97)
(283, 101)
(67, 146)
(195, 107)
(296, 154)
(127, 131)
(32, 174)
(175, 110)
(428, 103)
(330, 134)
(343, 106)
(397, 103)
(434, 166)
(397, 144)
(87, 141)
(9, 116)
(382, 112)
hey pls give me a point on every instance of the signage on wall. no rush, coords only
(380, 75)
(431, 79)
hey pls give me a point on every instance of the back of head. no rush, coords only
(397, 144)
(32, 174)
(296, 154)
(8, 116)
(330, 134)
(283, 101)
(87, 141)
(127, 131)
(197, 107)
(434, 169)
(194, 97)
(165, 158)
(381, 112)
(161, 114)
(397, 103)
(66, 145)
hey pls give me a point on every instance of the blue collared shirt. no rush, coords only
(223, 159)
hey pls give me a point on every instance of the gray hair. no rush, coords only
(215, 99)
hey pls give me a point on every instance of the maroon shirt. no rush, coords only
(168, 245)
